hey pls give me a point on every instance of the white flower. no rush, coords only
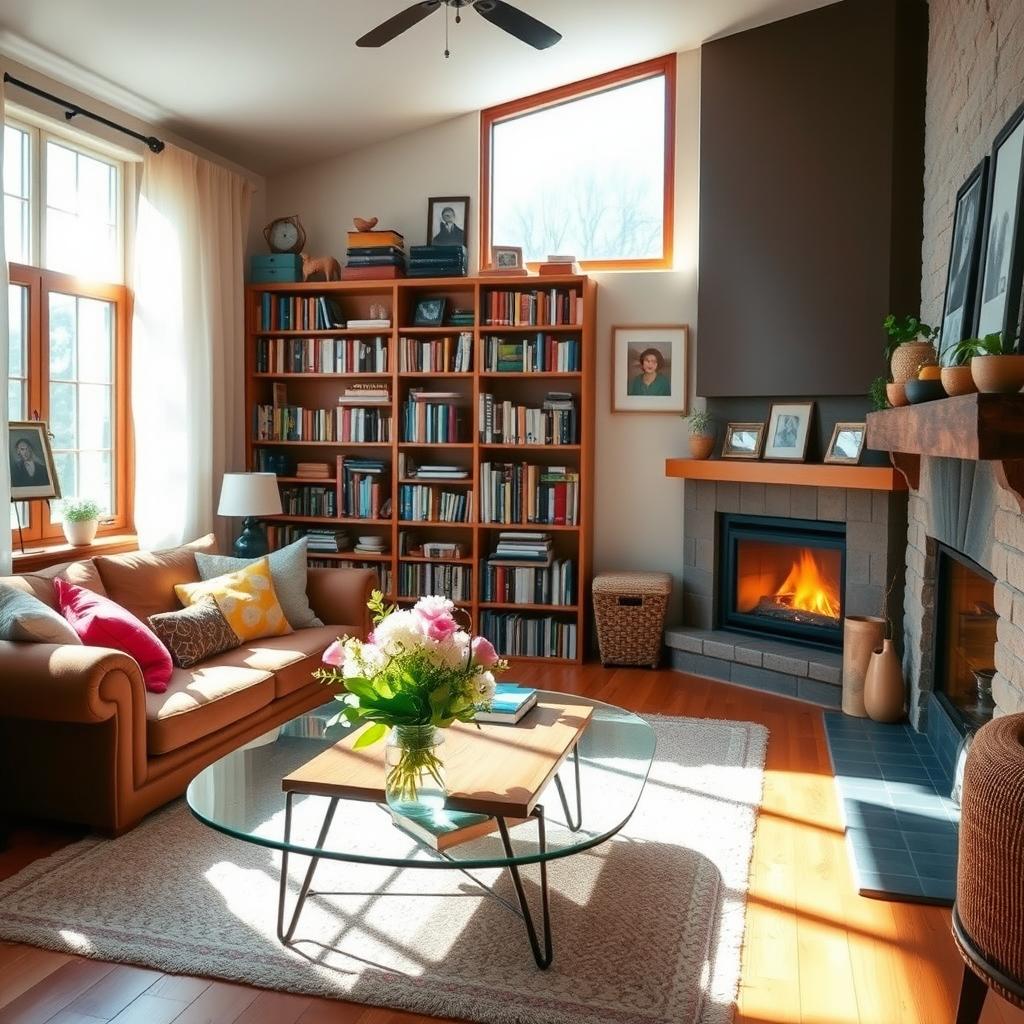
(485, 683)
(397, 633)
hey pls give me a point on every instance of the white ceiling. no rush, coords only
(273, 84)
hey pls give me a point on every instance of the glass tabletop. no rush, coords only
(241, 795)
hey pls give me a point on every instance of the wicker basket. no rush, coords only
(630, 612)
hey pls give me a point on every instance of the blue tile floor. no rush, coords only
(901, 825)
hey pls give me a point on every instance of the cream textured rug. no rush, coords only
(647, 927)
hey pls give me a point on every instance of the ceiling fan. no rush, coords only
(505, 16)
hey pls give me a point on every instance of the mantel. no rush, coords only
(977, 428)
(801, 474)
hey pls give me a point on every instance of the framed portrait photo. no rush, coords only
(447, 220)
(429, 312)
(649, 368)
(847, 444)
(743, 441)
(964, 255)
(789, 430)
(506, 257)
(31, 461)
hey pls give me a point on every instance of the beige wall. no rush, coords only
(639, 512)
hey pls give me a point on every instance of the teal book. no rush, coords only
(440, 828)
(511, 701)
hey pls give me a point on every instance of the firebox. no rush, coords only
(782, 577)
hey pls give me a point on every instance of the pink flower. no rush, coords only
(434, 615)
(484, 653)
(335, 654)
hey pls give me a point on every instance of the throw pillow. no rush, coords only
(246, 598)
(195, 633)
(102, 623)
(287, 570)
(24, 617)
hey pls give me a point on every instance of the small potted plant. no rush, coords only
(877, 394)
(955, 374)
(996, 366)
(910, 344)
(81, 520)
(702, 434)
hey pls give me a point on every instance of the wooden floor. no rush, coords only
(815, 952)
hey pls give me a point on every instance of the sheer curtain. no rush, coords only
(5, 369)
(187, 344)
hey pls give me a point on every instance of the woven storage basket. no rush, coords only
(630, 612)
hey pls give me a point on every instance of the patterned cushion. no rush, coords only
(194, 633)
(246, 598)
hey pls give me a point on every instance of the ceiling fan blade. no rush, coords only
(517, 23)
(395, 26)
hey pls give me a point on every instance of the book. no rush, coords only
(510, 703)
(359, 325)
(374, 239)
(441, 829)
(372, 273)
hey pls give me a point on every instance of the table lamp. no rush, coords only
(250, 495)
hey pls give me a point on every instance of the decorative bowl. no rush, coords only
(896, 394)
(998, 375)
(957, 380)
(371, 541)
(923, 391)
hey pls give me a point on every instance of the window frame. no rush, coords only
(658, 67)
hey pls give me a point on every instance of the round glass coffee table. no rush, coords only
(564, 779)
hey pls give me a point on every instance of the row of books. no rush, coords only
(309, 501)
(520, 492)
(432, 417)
(516, 634)
(506, 422)
(409, 469)
(421, 503)
(551, 584)
(436, 355)
(364, 488)
(437, 261)
(322, 355)
(299, 313)
(344, 424)
(418, 578)
(546, 353)
(515, 308)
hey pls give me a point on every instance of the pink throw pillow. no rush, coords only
(101, 622)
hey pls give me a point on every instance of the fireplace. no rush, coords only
(783, 577)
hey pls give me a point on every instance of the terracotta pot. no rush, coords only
(83, 532)
(701, 446)
(958, 380)
(884, 691)
(896, 394)
(862, 634)
(998, 375)
(908, 357)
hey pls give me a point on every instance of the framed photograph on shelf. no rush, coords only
(429, 312)
(789, 431)
(964, 255)
(649, 368)
(31, 461)
(743, 441)
(847, 444)
(447, 220)
(507, 257)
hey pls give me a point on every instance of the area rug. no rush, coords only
(647, 927)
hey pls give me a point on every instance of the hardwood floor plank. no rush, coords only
(26, 973)
(280, 1007)
(150, 1009)
(220, 1003)
(111, 994)
(179, 987)
(41, 1002)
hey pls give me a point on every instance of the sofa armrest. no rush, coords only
(339, 596)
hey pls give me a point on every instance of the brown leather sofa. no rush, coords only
(82, 740)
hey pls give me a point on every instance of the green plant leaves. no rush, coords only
(370, 735)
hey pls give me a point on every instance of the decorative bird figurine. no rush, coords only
(363, 224)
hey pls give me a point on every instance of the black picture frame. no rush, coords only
(429, 312)
(33, 473)
(959, 298)
(456, 232)
(1001, 266)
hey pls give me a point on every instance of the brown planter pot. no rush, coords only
(701, 446)
(958, 380)
(998, 375)
(896, 394)
(884, 692)
(908, 357)
(862, 634)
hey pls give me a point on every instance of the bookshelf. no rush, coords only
(303, 362)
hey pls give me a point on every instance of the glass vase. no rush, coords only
(415, 781)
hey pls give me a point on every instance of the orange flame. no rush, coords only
(806, 588)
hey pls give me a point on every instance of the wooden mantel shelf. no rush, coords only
(802, 474)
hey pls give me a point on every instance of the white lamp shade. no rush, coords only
(249, 494)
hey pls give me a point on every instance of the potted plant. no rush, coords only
(910, 344)
(81, 520)
(702, 434)
(877, 394)
(996, 366)
(955, 374)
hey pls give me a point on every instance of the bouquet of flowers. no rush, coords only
(417, 672)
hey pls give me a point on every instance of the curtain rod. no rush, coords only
(73, 110)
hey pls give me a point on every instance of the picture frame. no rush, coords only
(743, 440)
(650, 368)
(964, 257)
(507, 257)
(444, 227)
(846, 446)
(30, 461)
(1001, 265)
(789, 431)
(429, 312)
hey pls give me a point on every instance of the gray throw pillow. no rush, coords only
(24, 617)
(287, 571)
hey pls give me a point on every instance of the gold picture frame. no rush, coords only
(846, 446)
(789, 431)
(743, 440)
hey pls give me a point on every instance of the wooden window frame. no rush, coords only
(659, 67)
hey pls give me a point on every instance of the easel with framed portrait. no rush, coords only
(30, 463)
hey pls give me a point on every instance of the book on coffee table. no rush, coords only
(511, 701)
(442, 829)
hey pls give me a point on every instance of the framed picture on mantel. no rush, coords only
(789, 430)
(964, 253)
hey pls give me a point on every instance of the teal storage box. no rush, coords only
(265, 268)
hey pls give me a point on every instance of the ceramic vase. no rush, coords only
(884, 692)
(896, 394)
(958, 380)
(998, 375)
(701, 446)
(81, 532)
(862, 634)
(908, 357)
(414, 783)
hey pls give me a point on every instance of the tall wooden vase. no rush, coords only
(862, 634)
(884, 691)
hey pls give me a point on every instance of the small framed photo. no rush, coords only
(743, 441)
(789, 430)
(32, 471)
(506, 257)
(447, 220)
(649, 368)
(847, 444)
(964, 255)
(429, 312)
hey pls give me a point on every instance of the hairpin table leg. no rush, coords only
(286, 936)
(542, 956)
(574, 826)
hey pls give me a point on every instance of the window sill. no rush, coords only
(42, 556)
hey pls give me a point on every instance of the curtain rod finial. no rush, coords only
(155, 144)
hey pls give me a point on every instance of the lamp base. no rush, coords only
(252, 541)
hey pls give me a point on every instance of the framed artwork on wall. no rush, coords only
(743, 441)
(789, 430)
(964, 256)
(847, 444)
(447, 220)
(31, 461)
(649, 368)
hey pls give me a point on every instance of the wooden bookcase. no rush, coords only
(318, 390)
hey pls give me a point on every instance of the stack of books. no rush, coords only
(442, 829)
(365, 394)
(374, 255)
(511, 701)
(442, 550)
(522, 549)
(559, 265)
(328, 539)
(462, 318)
(437, 261)
(408, 470)
(313, 470)
(372, 546)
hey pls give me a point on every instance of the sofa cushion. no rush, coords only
(195, 633)
(292, 658)
(40, 583)
(143, 581)
(24, 617)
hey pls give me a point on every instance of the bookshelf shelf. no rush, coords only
(315, 390)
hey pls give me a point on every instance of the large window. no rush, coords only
(584, 170)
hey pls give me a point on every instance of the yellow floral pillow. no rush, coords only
(246, 598)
